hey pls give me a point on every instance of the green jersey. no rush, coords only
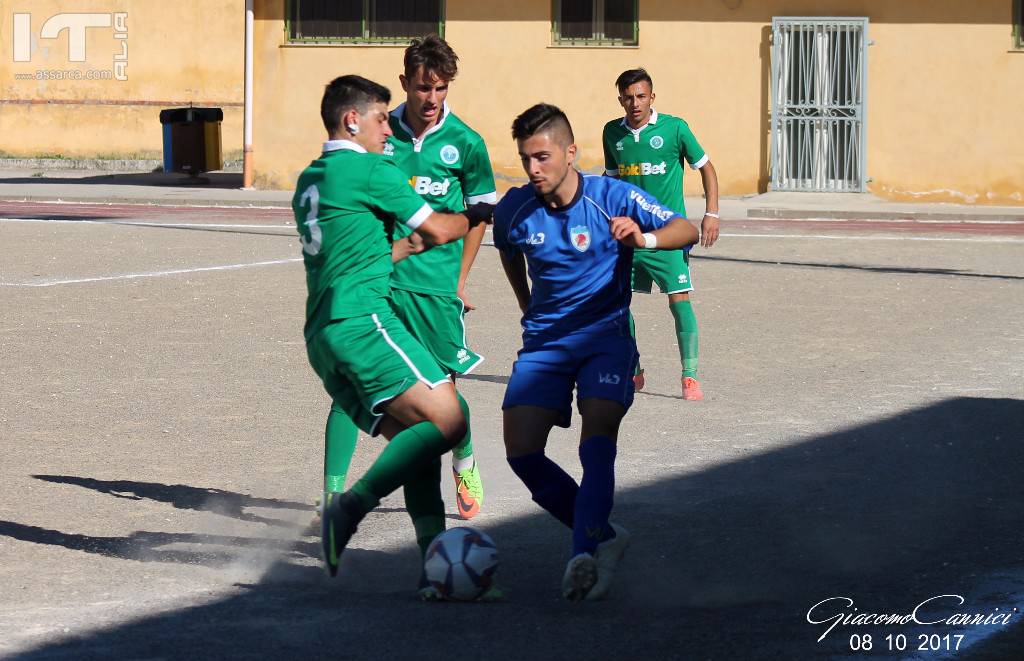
(449, 167)
(346, 204)
(651, 156)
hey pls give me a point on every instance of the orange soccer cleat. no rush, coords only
(691, 389)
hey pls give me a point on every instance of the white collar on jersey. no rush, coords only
(399, 112)
(335, 145)
(652, 120)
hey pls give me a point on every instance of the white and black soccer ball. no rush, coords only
(461, 563)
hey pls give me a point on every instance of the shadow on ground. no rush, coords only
(726, 564)
(182, 496)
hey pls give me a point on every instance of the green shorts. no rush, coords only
(669, 268)
(367, 361)
(438, 323)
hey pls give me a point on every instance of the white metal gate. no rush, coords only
(819, 88)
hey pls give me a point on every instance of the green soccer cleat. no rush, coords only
(341, 516)
(469, 491)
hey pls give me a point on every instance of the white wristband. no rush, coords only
(712, 214)
(650, 241)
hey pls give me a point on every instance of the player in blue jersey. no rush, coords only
(574, 237)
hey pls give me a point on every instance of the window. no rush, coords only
(1018, 24)
(363, 21)
(595, 22)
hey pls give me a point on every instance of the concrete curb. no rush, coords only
(979, 215)
(163, 202)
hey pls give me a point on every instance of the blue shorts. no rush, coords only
(598, 366)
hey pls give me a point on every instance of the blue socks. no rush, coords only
(552, 488)
(584, 508)
(596, 495)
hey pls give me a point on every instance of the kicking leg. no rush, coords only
(422, 424)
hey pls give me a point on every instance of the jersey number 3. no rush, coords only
(311, 246)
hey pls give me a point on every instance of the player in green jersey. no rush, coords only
(648, 149)
(346, 204)
(448, 166)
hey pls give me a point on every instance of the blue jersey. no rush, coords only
(579, 272)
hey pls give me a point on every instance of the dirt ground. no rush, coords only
(862, 437)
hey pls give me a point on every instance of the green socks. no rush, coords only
(462, 454)
(339, 446)
(424, 503)
(686, 332)
(632, 333)
(402, 460)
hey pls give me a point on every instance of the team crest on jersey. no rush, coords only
(657, 141)
(580, 237)
(389, 149)
(618, 146)
(450, 154)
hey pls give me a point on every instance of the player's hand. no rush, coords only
(481, 212)
(708, 231)
(417, 244)
(625, 230)
(465, 300)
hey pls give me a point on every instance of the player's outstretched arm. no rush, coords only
(515, 271)
(440, 228)
(677, 233)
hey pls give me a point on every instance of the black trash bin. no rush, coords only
(192, 139)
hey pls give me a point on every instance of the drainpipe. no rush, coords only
(247, 173)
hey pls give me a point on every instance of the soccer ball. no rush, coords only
(461, 563)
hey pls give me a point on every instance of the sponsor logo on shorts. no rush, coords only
(463, 356)
(610, 379)
(580, 237)
(653, 209)
(642, 169)
(657, 141)
(682, 279)
(450, 154)
(426, 186)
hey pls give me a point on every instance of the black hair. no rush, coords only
(347, 93)
(632, 77)
(540, 117)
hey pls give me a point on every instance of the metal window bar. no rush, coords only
(818, 95)
(595, 22)
(363, 21)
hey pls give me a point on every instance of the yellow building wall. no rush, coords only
(945, 95)
(189, 51)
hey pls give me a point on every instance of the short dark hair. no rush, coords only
(541, 117)
(632, 77)
(345, 93)
(433, 54)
